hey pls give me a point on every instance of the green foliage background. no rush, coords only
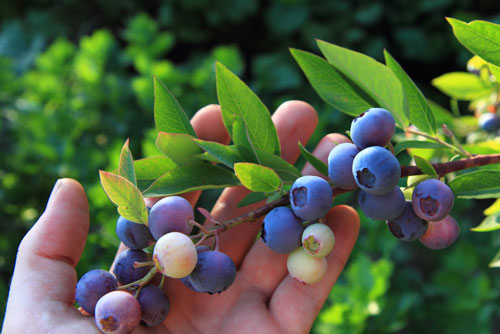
(74, 87)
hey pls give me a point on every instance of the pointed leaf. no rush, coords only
(179, 147)
(228, 155)
(169, 115)
(490, 223)
(126, 196)
(478, 184)
(330, 84)
(424, 166)
(286, 171)
(482, 38)
(462, 85)
(401, 146)
(236, 99)
(196, 176)
(319, 165)
(241, 139)
(376, 79)
(149, 169)
(493, 208)
(495, 262)
(420, 112)
(126, 164)
(257, 177)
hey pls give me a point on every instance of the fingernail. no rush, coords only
(55, 189)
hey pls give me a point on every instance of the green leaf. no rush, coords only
(492, 209)
(495, 70)
(490, 223)
(319, 165)
(196, 176)
(330, 84)
(401, 146)
(478, 184)
(482, 38)
(424, 166)
(252, 198)
(228, 155)
(237, 100)
(376, 79)
(179, 147)
(462, 85)
(441, 115)
(242, 140)
(149, 169)
(286, 171)
(256, 177)
(126, 196)
(420, 112)
(495, 262)
(169, 115)
(126, 164)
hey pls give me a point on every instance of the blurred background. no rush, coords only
(76, 81)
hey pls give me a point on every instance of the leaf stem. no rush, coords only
(440, 141)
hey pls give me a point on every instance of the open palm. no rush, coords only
(263, 299)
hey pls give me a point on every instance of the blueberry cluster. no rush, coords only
(284, 231)
(366, 164)
(121, 300)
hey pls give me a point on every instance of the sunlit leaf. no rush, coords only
(126, 164)
(126, 196)
(256, 177)
(477, 184)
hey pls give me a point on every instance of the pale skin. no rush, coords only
(263, 299)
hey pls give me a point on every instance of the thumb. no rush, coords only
(47, 256)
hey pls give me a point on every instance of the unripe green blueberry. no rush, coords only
(305, 268)
(175, 255)
(318, 240)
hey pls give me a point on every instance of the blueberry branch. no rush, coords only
(441, 168)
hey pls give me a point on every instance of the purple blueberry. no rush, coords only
(441, 234)
(170, 214)
(185, 280)
(214, 272)
(154, 305)
(340, 165)
(282, 230)
(125, 270)
(311, 197)
(133, 235)
(374, 127)
(117, 312)
(383, 207)
(376, 170)
(407, 226)
(432, 200)
(92, 286)
(489, 122)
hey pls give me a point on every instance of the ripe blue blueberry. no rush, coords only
(441, 234)
(340, 165)
(376, 170)
(432, 200)
(374, 127)
(310, 197)
(281, 230)
(214, 272)
(133, 235)
(407, 226)
(154, 305)
(92, 286)
(383, 207)
(489, 122)
(170, 214)
(117, 312)
(125, 270)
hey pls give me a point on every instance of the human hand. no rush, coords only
(263, 298)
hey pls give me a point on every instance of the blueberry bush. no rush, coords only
(387, 287)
